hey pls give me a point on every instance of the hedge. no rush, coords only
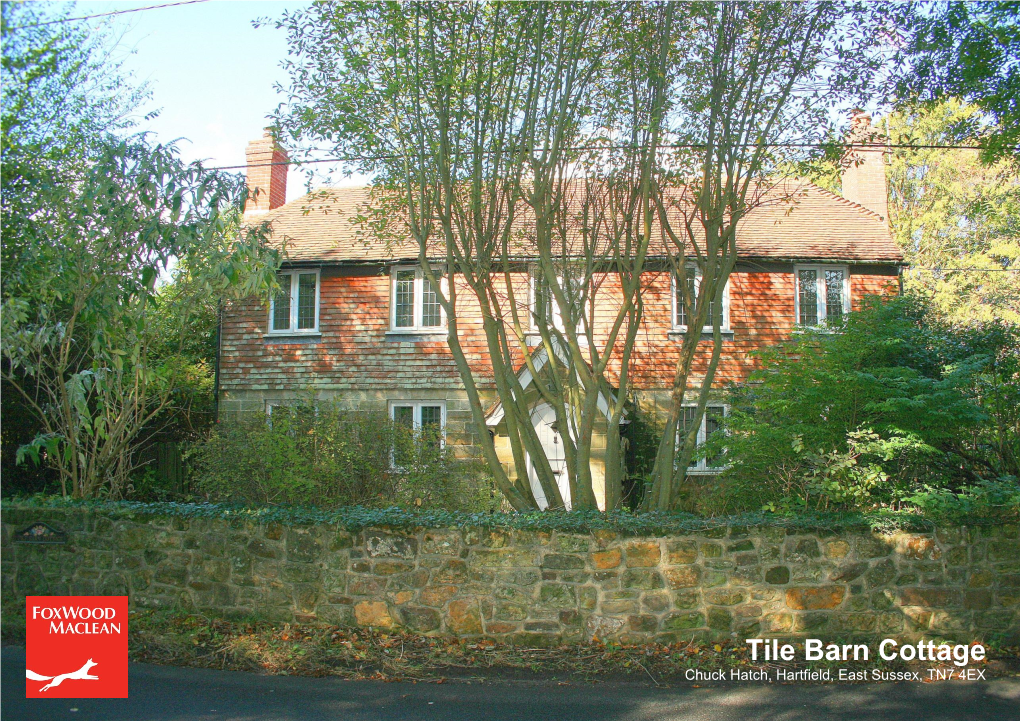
(355, 518)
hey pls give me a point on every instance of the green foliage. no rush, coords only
(968, 50)
(955, 218)
(953, 214)
(471, 113)
(356, 518)
(92, 219)
(324, 455)
(891, 408)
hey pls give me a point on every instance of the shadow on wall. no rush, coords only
(541, 587)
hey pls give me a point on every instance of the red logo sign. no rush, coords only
(76, 647)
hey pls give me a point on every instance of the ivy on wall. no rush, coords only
(356, 518)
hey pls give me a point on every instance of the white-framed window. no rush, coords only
(414, 303)
(420, 415)
(710, 423)
(273, 405)
(823, 295)
(693, 277)
(292, 409)
(544, 307)
(427, 420)
(295, 307)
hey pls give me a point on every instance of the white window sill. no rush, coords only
(802, 329)
(706, 333)
(535, 339)
(412, 335)
(293, 337)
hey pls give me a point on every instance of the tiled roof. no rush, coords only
(794, 220)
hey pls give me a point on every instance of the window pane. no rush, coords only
(306, 301)
(834, 297)
(692, 292)
(404, 298)
(543, 301)
(281, 303)
(404, 416)
(807, 280)
(432, 425)
(686, 421)
(431, 416)
(431, 315)
(713, 419)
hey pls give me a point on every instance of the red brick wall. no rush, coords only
(355, 352)
(267, 173)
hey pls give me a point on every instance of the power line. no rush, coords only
(102, 15)
(356, 158)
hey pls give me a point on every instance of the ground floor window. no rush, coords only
(710, 423)
(426, 418)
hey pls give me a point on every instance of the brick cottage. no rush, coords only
(357, 321)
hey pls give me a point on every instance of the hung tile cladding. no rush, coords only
(357, 322)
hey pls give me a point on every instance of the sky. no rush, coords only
(210, 72)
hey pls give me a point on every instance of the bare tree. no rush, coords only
(517, 142)
(550, 149)
(757, 84)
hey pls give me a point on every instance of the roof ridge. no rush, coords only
(867, 212)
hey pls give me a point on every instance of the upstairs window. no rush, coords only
(414, 304)
(710, 423)
(693, 286)
(295, 307)
(546, 310)
(823, 295)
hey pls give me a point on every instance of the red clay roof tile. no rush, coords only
(795, 220)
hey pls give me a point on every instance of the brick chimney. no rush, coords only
(864, 166)
(267, 172)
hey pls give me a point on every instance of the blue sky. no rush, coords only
(210, 72)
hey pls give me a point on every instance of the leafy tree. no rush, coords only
(953, 214)
(968, 50)
(893, 406)
(956, 217)
(61, 92)
(62, 95)
(91, 219)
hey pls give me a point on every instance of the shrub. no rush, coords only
(326, 456)
(895, 406)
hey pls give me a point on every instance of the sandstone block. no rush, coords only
(805, 599)
(606, 559)
(463, 617)
(373, 613)
(643, 554)
(683, 576)
(681, 552)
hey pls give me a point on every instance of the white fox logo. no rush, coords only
(82, 674)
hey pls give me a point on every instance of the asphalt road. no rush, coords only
(168, 694)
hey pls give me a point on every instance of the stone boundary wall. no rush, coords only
(537, 587)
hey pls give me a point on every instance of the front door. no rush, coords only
(544, 420)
